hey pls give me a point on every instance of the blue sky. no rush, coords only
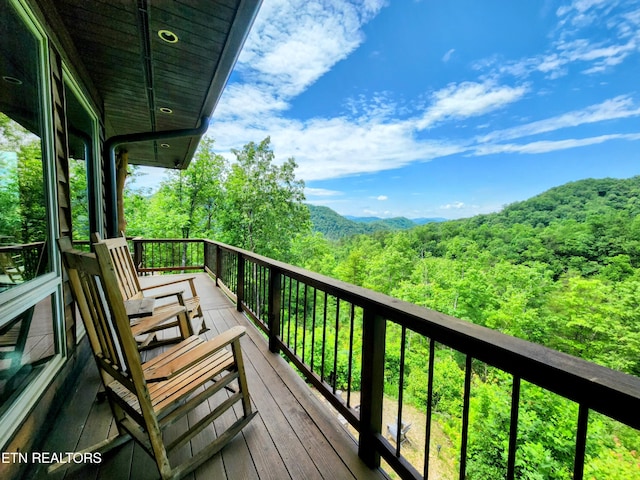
(438, 108)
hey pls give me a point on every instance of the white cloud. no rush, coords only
(336, 147)
(615, 108)
(248, 101)
(382, 198)
(454, 205)
(572, 45)
(321, 192)
(447, 56)
(468, 99)
(545, 146)
(293, 42)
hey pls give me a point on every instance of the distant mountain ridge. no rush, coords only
(335, 226)
(575, 201)
(414, 221)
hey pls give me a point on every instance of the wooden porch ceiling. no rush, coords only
(144, 57)
(293, 436)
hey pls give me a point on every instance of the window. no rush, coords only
(31, 328)
(81, 127)
(24, 224)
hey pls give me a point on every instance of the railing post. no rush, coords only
(218, 270)
(275, 293)
(240, 287)
(372, 388)
(137, 253)
(206, 247)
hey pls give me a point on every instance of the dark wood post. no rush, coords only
(137, 253)
(240, 288)
(372, 389)
(218, 271)
(205, 255)
(275, 294)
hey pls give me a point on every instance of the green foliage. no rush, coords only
(79, 199)
(22, 194)
(262, 202)
(252, 203)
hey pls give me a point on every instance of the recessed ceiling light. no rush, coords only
(166, 110)
(12, 80)
(168, 36)
(165, 145)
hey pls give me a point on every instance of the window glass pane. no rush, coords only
(27, 342)
(80, 140)
(23, 223)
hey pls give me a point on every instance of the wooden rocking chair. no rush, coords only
(147, 397)
(131, 290)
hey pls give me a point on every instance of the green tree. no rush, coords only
(263, 207)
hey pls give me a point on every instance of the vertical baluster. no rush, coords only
(429, 408)
(513, 429)
(335, 346)
(581, 442)
(295, 332)
(289, 314)
(304, 322)
(465, 418)
(403, 346)
(350, 370)
(313, 327)
(263, 294)
(324, 336)
(250, 281)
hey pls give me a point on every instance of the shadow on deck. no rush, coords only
(293, 436)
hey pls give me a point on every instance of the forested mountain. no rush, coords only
(334, 226)
(572, 201)
(589, 227)
(394, 222)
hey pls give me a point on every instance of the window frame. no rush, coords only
(21, 297)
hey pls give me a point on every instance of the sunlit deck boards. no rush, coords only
(293, 436)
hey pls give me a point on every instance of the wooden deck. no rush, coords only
(294, 436)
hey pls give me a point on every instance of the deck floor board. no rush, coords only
(293, 436)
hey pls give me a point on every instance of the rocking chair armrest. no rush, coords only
(174, 366)
(144, 324)
(173, 282)
(178, 293)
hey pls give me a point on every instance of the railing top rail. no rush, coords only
(21, 246)
(608, 391)
(167, 240)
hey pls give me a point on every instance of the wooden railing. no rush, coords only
(168, 255)
(30, 258)
(309, 318)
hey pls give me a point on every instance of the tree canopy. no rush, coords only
(252, 203)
